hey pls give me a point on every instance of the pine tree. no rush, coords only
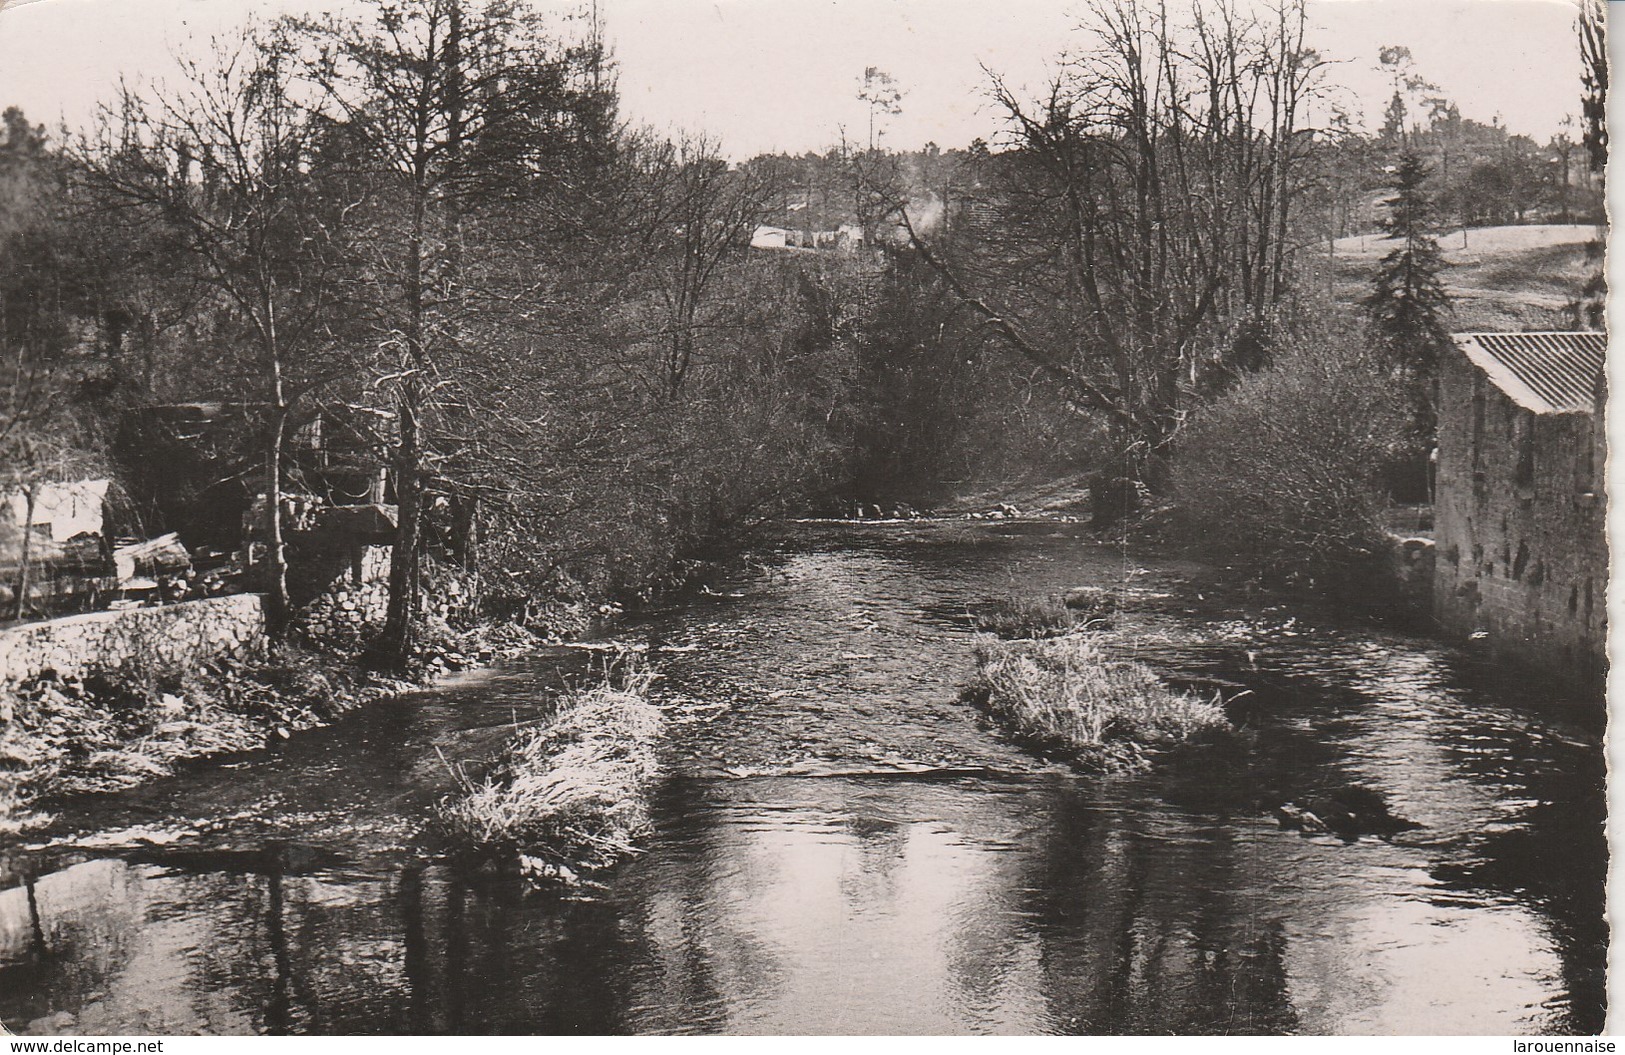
(1407, 304)
(1591, 309)
(1393, 120)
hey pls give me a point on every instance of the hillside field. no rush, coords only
(1499, 278)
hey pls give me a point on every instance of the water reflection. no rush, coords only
(809, 906)
(290, 894)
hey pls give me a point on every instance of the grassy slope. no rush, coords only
(1500, 278)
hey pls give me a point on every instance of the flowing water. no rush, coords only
(843, 846)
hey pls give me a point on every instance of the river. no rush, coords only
(843, 846)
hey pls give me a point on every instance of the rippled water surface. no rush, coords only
(842, 846)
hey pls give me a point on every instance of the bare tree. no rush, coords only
(459, 111)
(1590, 309)
(37, 294)
(694, 217)
(44, 361)
(226, 163)
(1145, 210)
(1592, 26)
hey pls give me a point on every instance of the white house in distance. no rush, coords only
(769, 238)
(61, 510)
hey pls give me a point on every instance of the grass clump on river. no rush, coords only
(1071, 696)
(569, 794)
(1025, 617)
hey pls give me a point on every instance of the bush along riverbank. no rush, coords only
(107, 732)
(570, 795)
(1071, 697)
(1021, 617)
(110, 730)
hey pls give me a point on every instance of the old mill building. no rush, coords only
(1520, 515)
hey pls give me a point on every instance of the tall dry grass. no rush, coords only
(1015, 617)
(569, 794)
(1070, 694)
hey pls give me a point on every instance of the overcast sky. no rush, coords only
(768, 75)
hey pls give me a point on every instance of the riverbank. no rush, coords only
(833, 828)
(101, 731)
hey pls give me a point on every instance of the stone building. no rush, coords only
(1519, 514)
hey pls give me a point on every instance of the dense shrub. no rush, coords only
(1283, 474)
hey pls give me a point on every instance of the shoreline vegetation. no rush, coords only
(106, 732)
(1022, 617)
(569, 795)
(109, 732)
(1071, 696)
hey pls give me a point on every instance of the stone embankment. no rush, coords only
(107, 700)
(136, 645)
(110, 699)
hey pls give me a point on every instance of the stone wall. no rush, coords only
(138, 643)
(350, 605)
(343, 598)
(1522, 549)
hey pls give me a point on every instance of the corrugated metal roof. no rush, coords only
(1548, 373)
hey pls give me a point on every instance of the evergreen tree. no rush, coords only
(468, 115)
(1407, 304)
(1591, 309)
(1393, 120)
